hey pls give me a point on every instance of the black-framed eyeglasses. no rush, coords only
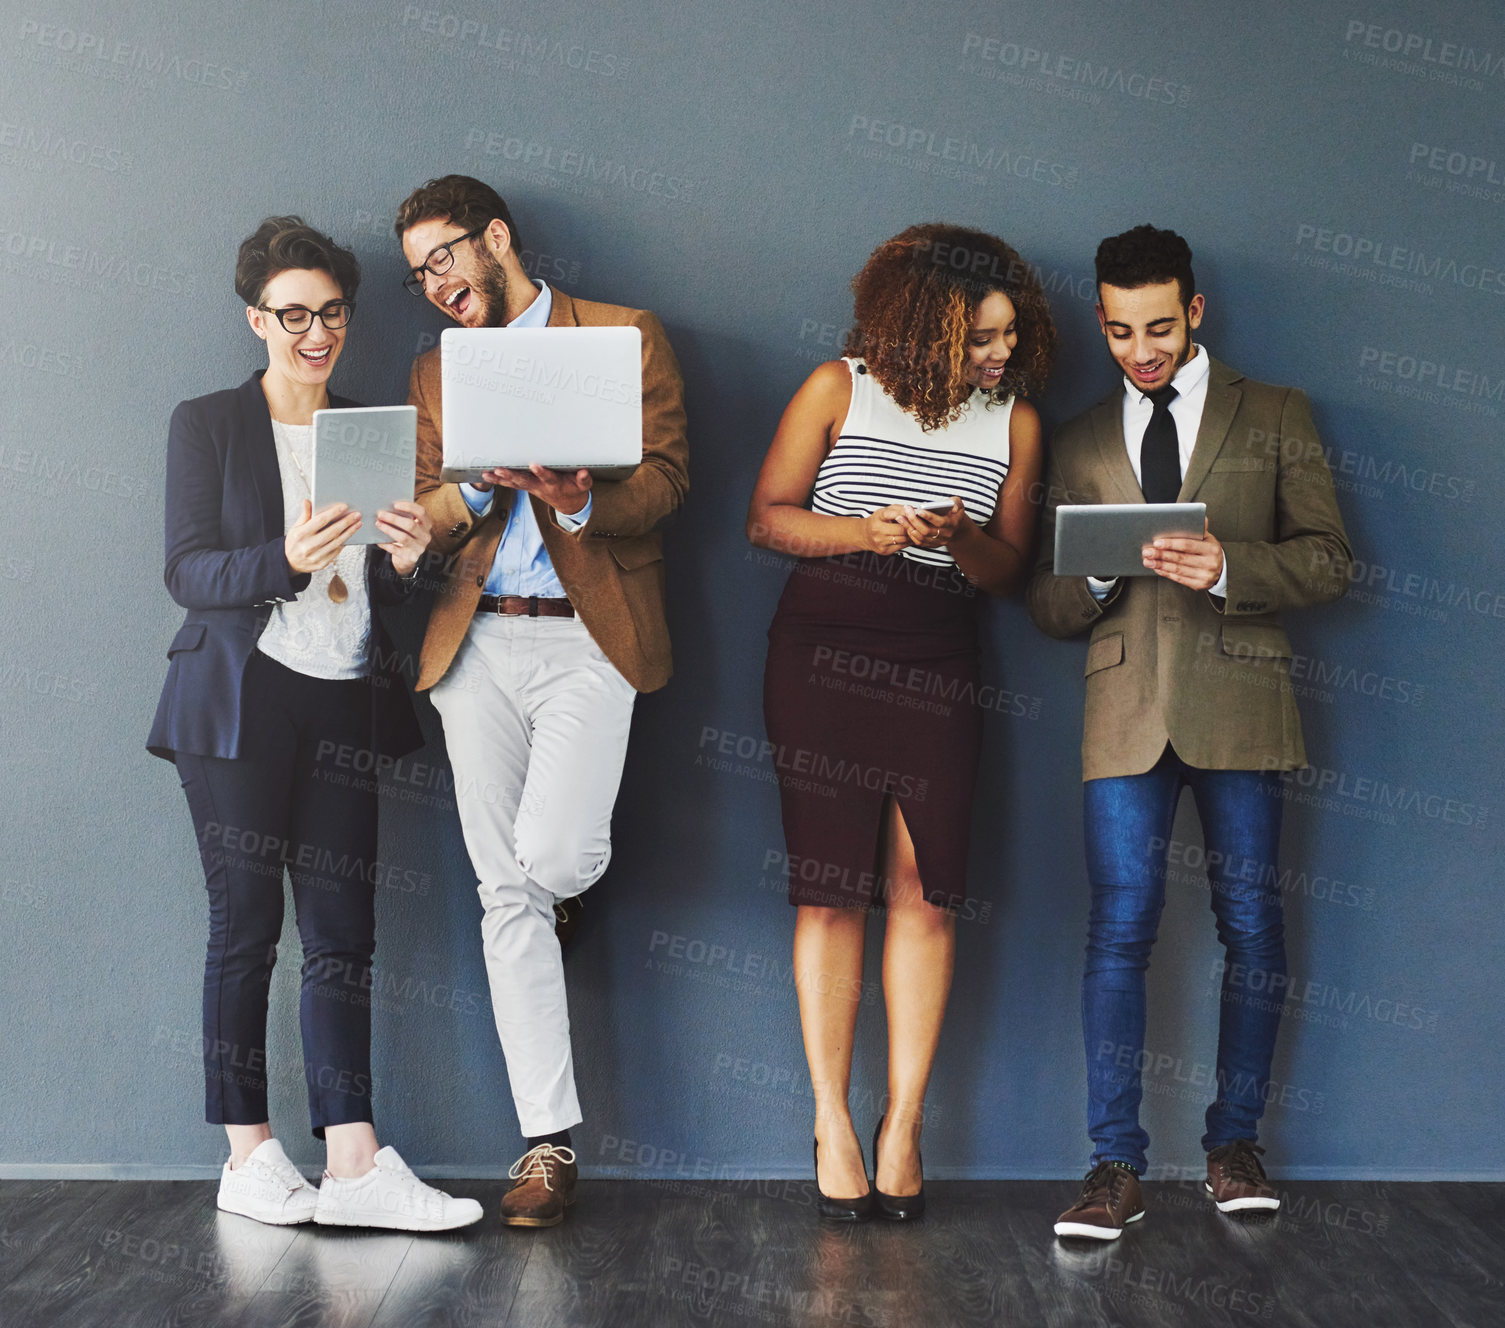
(295, 318)
(439, 262)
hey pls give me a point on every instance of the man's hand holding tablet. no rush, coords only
(1197, 563)
(1104, 541)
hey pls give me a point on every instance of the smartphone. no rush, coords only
(940, 506)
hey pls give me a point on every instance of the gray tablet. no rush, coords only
(1104, 539)
(365, 456)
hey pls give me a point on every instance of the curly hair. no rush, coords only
(1145, 256)
(281, 244)
(462, 201)
(916, 297)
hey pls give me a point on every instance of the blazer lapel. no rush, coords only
(1108, 428)
(1217, 415)
(431, 387)
(562, 311)
(261, 454)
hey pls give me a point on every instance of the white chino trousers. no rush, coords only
(536, 721)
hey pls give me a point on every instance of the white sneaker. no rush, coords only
(268, 1187)
(390, 1195)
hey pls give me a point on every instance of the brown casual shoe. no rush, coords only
(1109, 1201)
(543, 1186)
(1236, 1180)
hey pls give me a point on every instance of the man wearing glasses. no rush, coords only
(548, 622)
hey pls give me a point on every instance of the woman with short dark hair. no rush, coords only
(281, 687)
(904, 478)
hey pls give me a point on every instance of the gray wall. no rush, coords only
(730, 167)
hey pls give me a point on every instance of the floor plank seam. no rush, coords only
(522, 1276)
(396, 1275)
(25, 1267)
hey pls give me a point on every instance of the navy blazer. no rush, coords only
(226, 566)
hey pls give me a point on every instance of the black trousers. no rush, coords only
(292, 801)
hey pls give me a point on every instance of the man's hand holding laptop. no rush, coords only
(562, 490)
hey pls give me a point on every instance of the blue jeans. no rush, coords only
(1128, 831)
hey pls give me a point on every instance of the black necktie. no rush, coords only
(1160, 453)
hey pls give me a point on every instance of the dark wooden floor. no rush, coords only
(120, 1254)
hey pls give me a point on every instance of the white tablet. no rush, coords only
(365, 456)
(1104, 539)
(562, 397)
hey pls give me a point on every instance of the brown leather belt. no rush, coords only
(531, 606)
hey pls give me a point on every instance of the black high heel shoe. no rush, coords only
(897, 1207)
(842, 1210)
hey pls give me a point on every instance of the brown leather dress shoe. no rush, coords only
(1109, 1201)
(1236, 1179)
(543, 1186)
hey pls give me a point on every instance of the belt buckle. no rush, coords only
(532, 606)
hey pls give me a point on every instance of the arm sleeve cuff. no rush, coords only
(1101, 589)
(1220, 586)
(572, 521)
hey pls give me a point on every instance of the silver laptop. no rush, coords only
(1105, 539)
(364, 456)
(563, 397)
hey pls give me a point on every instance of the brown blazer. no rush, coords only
(612, 568)
(1169, 664)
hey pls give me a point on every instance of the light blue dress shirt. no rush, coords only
(522, 565)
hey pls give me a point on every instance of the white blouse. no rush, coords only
(312, 634)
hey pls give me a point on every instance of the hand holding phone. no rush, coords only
(932, 523)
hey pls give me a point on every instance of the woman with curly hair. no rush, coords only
(904, 479)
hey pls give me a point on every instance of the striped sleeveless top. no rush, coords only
(883, 456)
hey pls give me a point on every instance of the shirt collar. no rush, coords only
(537, 313)
(1189, 377)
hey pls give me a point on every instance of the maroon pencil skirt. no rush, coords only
(870, 690)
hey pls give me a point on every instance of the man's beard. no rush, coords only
(491, 286)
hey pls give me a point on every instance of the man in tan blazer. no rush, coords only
(548, 622)
(1187, 685)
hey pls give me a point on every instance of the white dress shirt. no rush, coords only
(1190, 383)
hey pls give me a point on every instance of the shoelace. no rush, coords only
(285, 1174)
(430, 1195)
(419, 1196)
(1100, 1184)
(414, 1196)
(533, 1165)
(1242, 1164)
